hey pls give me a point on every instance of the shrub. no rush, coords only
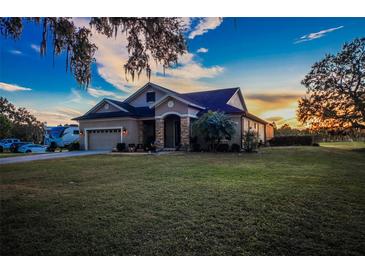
(149, 143)
(121, 147)
(235, 148)
(250, 141)
(214, 127)
(152, 148)
(196, 147)
(305, 140)
(223, 148)
(132, 147)
(74, 146)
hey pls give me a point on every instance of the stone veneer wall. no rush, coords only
(140, 132)
(160, 134)
(185, 131)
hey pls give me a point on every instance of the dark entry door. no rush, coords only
(177, 133)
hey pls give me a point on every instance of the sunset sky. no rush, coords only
(267, 58)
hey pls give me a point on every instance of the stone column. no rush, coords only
(140, 132)
(160, 133)
(185, 132)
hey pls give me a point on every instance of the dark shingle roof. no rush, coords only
(215, 100)
(136, 112)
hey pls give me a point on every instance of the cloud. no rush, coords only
(274, 119)
(35, 48)
(274, 98)
(202, 50)
(204, 25)
(186, 23)
(12, 87)
(112, 54)
(316, 35)
(75, 96)
(103, 93)
(52, 117)
(275, 105)
(68, 111)
(15, 52)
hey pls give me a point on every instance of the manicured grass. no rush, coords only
(282, 201)
(9, 154)
(344, 145)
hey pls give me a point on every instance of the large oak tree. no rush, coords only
(158, 39)
(336, 90)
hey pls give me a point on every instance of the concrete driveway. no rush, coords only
(55, 155)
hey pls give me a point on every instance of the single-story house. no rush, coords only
(164, 117)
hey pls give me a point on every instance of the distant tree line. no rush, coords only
(334, 134)
(19, 123)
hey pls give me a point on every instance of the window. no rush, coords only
(76, 132)
(150, 97)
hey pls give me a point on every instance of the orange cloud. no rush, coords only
(278, 107)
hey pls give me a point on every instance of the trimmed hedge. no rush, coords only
(223, 148)
(305, 140)
(235, 148)
(121, 147)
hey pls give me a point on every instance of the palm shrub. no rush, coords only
(250, 141)
(214, 126)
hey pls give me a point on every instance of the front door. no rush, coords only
(177, 132)
(172, 131)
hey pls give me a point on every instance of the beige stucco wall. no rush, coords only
(260, 128)
(110, 109)
(269, 132)
(140, 100)
(179, 107)
(130, 124)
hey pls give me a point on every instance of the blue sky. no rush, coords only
(266, 57)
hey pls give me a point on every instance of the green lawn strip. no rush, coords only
(281, 201)
(344, 145)
(9, 154)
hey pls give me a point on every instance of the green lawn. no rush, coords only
(9, 154)
(282, 201)
(344, 145)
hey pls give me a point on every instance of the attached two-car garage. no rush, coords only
(103, 138)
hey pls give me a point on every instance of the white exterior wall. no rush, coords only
(235, 101)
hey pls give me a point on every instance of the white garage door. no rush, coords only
(103, 138)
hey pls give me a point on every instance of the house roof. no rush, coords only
(135, 112)
(215, 100)
(255, 118)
